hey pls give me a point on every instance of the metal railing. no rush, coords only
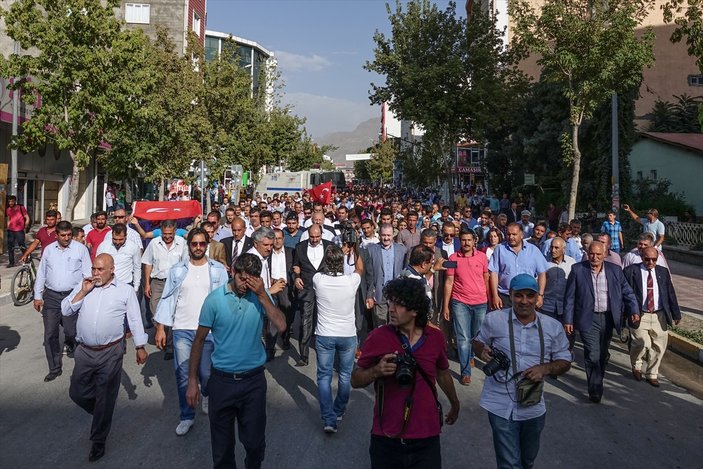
(685, 234)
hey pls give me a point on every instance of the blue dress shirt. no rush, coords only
(61, 269)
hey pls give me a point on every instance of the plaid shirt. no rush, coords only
(614, 231)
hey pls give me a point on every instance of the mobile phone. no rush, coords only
(450, 264)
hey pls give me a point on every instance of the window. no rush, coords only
(139, 13)
(695, 80)
(196, 24)
(639, 175)
(653, 174)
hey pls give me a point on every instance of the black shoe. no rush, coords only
(302, 362)
(168, 356)
(52, 376)
(97, 451)
(594, 398)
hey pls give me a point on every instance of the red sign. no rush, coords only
(467, 169)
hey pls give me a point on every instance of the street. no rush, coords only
(636, 425)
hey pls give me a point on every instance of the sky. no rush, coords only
(321, 47)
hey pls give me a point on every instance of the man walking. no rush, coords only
(466, 298)
(596, 295)
(657, 299)
(237, 385)
(537, 347)
(307, 261)
(17, 223)
(63, 266)
(126, 256)
(187, 284)
(97, 235)
(387, 260)
(102, 303)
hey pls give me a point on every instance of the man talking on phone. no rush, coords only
(102, 302)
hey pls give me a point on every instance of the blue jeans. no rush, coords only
(467, 322)
(182, 343)
(326, 348)
(516, 442)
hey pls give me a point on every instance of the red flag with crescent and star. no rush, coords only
(167, 210)
(322, 193)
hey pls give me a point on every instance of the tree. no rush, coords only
(592, 49)
(79, 69)
(168, 130)
(444, 73)
(380, 166)
(679, 117)
(307, 154)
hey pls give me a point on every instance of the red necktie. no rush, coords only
(650, 292)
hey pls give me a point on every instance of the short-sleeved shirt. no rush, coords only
(95, 238)
(335, 304)
(469, 282)
(431, 356)
(656, 228)
(15, 217)
(498, 399)
(235, 322)
(45, 237)
(614, 230)
(507, 264)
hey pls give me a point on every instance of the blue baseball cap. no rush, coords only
(524, 282)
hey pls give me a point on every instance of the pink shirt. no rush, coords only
(469, 278)
(15, 217)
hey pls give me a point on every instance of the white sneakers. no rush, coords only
(204, 405)
(184, 427)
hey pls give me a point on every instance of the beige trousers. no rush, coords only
(649, 337)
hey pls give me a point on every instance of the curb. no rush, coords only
(689, 349)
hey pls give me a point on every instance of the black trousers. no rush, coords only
(243, 401)
(95, 384)
(394, 453)
(307, 323)
(14, 238)
(52, 317)
(595, 351)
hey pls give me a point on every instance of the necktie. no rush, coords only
(650, 292)
(235, 250)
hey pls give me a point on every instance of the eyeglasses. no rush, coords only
(119, 216)
(198, 244)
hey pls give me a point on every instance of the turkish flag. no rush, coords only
(167, 210)
(322, 193)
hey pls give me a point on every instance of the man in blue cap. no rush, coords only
(533, 345)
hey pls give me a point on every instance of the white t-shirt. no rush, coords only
(194, 289)
(335, 304)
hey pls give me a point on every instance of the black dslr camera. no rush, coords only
(349, 234)
(405, 370)
(499, 362)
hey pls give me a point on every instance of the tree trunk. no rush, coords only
(575, 175)
(72, 188)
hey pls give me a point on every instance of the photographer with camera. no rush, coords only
(520, 347)
(405, 360)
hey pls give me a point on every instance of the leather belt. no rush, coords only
(651, 312)
(238, 376)
(97, 348)
(64, 293)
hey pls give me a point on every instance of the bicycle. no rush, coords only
(22, 286)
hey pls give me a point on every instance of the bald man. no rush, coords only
(237, 244)
(102, 303)
(657, 299)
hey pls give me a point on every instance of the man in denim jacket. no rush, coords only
(187, 285)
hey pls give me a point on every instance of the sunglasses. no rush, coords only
(198, 244)
(648, 259)
(119, 216)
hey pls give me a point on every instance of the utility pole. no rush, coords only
(615, 149)
(15, 121)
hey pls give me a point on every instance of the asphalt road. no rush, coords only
(635, 426)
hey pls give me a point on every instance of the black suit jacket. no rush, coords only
(513, 217)
(284, 298)
(307, 270)
(229, 241)
(667, 295)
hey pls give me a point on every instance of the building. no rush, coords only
(178, 17)
(467, 170)
(674, 72)
(672, 156)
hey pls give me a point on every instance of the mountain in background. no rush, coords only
(356, 141)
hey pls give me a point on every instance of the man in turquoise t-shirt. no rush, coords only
(234, 313)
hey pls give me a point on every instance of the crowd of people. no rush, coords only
(385, 286)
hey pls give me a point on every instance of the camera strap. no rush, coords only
(512, 342)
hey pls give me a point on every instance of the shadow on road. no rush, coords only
(9, 339)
